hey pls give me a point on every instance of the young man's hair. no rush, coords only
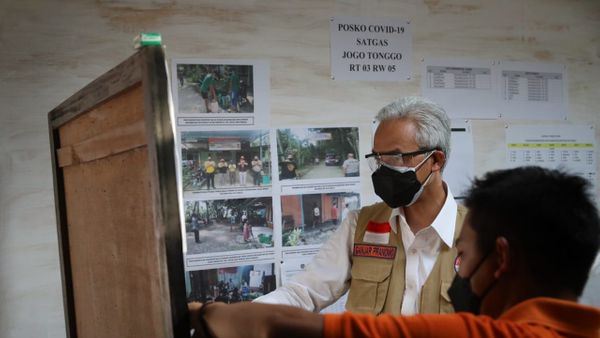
(548, 217)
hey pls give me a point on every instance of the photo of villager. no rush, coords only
(232, 284)
(228, 225)
(213, 88)
(312, 153)
(225, 160)
(311, 218)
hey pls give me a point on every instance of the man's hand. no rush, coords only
(250, 320)
(198, 320)
(194, 308)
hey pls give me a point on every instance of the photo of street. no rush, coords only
(313, 153)
(228, 225)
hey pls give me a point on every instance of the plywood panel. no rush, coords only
(123, 109)
(114, 250)
(113, 247)
(114, 141)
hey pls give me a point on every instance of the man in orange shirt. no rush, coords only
(524, 254)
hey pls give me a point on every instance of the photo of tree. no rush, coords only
(311, 153)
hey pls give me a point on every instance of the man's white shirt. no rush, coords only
(422, 250)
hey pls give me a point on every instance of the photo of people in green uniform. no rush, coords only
(215, 88)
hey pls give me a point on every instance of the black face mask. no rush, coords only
(461, 294)
(398, 189)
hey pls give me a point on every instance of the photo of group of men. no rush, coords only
(313, 153)
(231, 284)
(311, 218)
(215, 88)
(225, 159)
(228, 225)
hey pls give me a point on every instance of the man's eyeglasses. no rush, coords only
(393, 158)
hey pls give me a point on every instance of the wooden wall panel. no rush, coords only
(112, 243)
(113, 247)
(117, 206)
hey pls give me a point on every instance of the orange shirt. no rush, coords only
(537, 317)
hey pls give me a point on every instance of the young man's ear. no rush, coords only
(439, 158)
(503, 257)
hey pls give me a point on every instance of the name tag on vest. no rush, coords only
(375, 251)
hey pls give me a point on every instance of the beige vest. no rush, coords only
(377, 284)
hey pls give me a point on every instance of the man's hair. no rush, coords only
(433, 125)
(548, 217)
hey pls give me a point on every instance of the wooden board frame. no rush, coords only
(146, 68)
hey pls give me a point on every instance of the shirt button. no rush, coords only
(413, 251)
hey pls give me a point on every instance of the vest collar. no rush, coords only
(443, 224)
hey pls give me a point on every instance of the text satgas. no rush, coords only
(343, 27)
(372, 42)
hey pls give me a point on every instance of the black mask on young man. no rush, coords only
(461, 294)
(398, 188)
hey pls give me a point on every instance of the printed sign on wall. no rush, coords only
(372, 49)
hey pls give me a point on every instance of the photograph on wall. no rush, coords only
(309, 219)
(228, 225)
(230, 284)
(317, 153)
(225, 160)
(204, 89)
(221, 92)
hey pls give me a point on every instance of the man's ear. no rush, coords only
(503, 257)
(439, 158)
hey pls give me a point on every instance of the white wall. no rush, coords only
(50, 49)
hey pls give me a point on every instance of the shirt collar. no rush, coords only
(443, 224)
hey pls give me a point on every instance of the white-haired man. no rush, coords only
(393, 257)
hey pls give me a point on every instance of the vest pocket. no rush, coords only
(369, 285)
